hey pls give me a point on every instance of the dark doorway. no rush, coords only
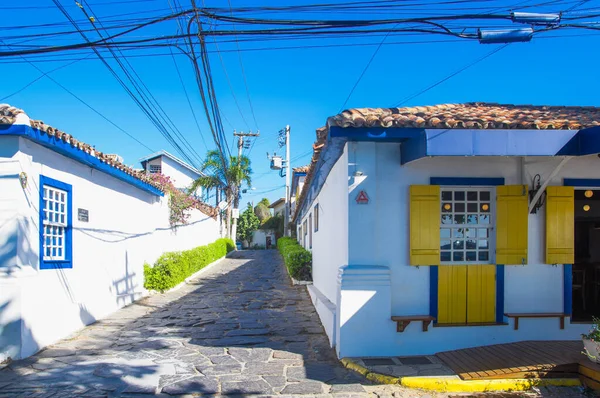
(586, 270)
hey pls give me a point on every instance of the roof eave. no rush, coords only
(66, 149)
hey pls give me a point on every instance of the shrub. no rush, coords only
(173, 267)
(297, 260)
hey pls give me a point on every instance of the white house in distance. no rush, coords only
(182, 174)
(298, 177)
(76, 227)
(453, 226)
(278, 207)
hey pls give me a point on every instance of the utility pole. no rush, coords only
(286, 219)
(236, 201)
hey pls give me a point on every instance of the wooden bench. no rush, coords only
(538, 315)
(403, 321)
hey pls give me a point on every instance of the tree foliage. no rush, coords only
(227, 175)
(247, 224)
(262, 210)
(274, 224)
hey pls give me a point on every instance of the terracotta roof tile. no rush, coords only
(9, 115)
(474, 115)
(301, 169)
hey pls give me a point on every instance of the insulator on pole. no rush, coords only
(505, 36)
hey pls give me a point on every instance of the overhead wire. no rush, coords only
(450, 76)
(122, 83)
(47, 75)
(148, 97)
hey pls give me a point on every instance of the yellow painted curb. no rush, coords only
(451, 384)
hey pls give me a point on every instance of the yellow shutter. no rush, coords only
(452, 294)
(481, 293)
(512, 214)
(560, 219)
(424, 225)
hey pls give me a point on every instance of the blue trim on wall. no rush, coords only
(581, 182)
(377, 134)
(68, 261)
(466, 181)
(433, 291)
(499, 293)
(66, 149)
(568, 288)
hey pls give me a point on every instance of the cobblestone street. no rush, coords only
(238, 329)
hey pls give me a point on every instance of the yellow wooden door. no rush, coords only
(560, 225)
(425, 225)
(466, 294)
(452, 294)
(512, 215)
(481, 293)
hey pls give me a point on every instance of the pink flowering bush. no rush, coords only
(180, 203)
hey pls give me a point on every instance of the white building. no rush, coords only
(278, 207)
(181, 174)
(434, 215)
(76, 228)
(298, 177)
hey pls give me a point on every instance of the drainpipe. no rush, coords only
(538, 194)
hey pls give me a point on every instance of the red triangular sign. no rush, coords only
(362, 198)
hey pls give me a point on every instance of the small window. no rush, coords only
(56, 224)
(466, 226)
(316, 213)
(310, 231)
(155, 168)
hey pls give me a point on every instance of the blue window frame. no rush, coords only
(56, 224)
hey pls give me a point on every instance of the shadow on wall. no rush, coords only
(250, 306)
(120, 236)
(124, 288)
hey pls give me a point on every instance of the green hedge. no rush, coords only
(173, 267)
(297, 260)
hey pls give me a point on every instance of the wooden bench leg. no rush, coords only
(426, 325)
(401, 325)
(562, 322)
(516, 323)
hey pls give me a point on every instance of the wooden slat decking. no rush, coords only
(525, 359)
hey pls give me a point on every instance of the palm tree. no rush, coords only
(227, 176)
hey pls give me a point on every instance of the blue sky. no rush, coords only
(300, 87)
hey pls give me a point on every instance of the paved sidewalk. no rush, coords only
(239, 329)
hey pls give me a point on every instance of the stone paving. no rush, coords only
(238, 329)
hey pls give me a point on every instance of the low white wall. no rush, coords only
(326, 311)
(260, 238)
(127, 227)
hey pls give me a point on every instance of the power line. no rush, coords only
(147, 108)
(46, 74)
(450, 76)
(243, 73)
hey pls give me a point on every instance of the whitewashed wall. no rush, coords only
(378, 236)
(181, 176)
(330, 242)
(127, 227)
(260, 238)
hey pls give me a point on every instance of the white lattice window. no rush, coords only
(54, 224)
(155, 168)
(466, 225)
